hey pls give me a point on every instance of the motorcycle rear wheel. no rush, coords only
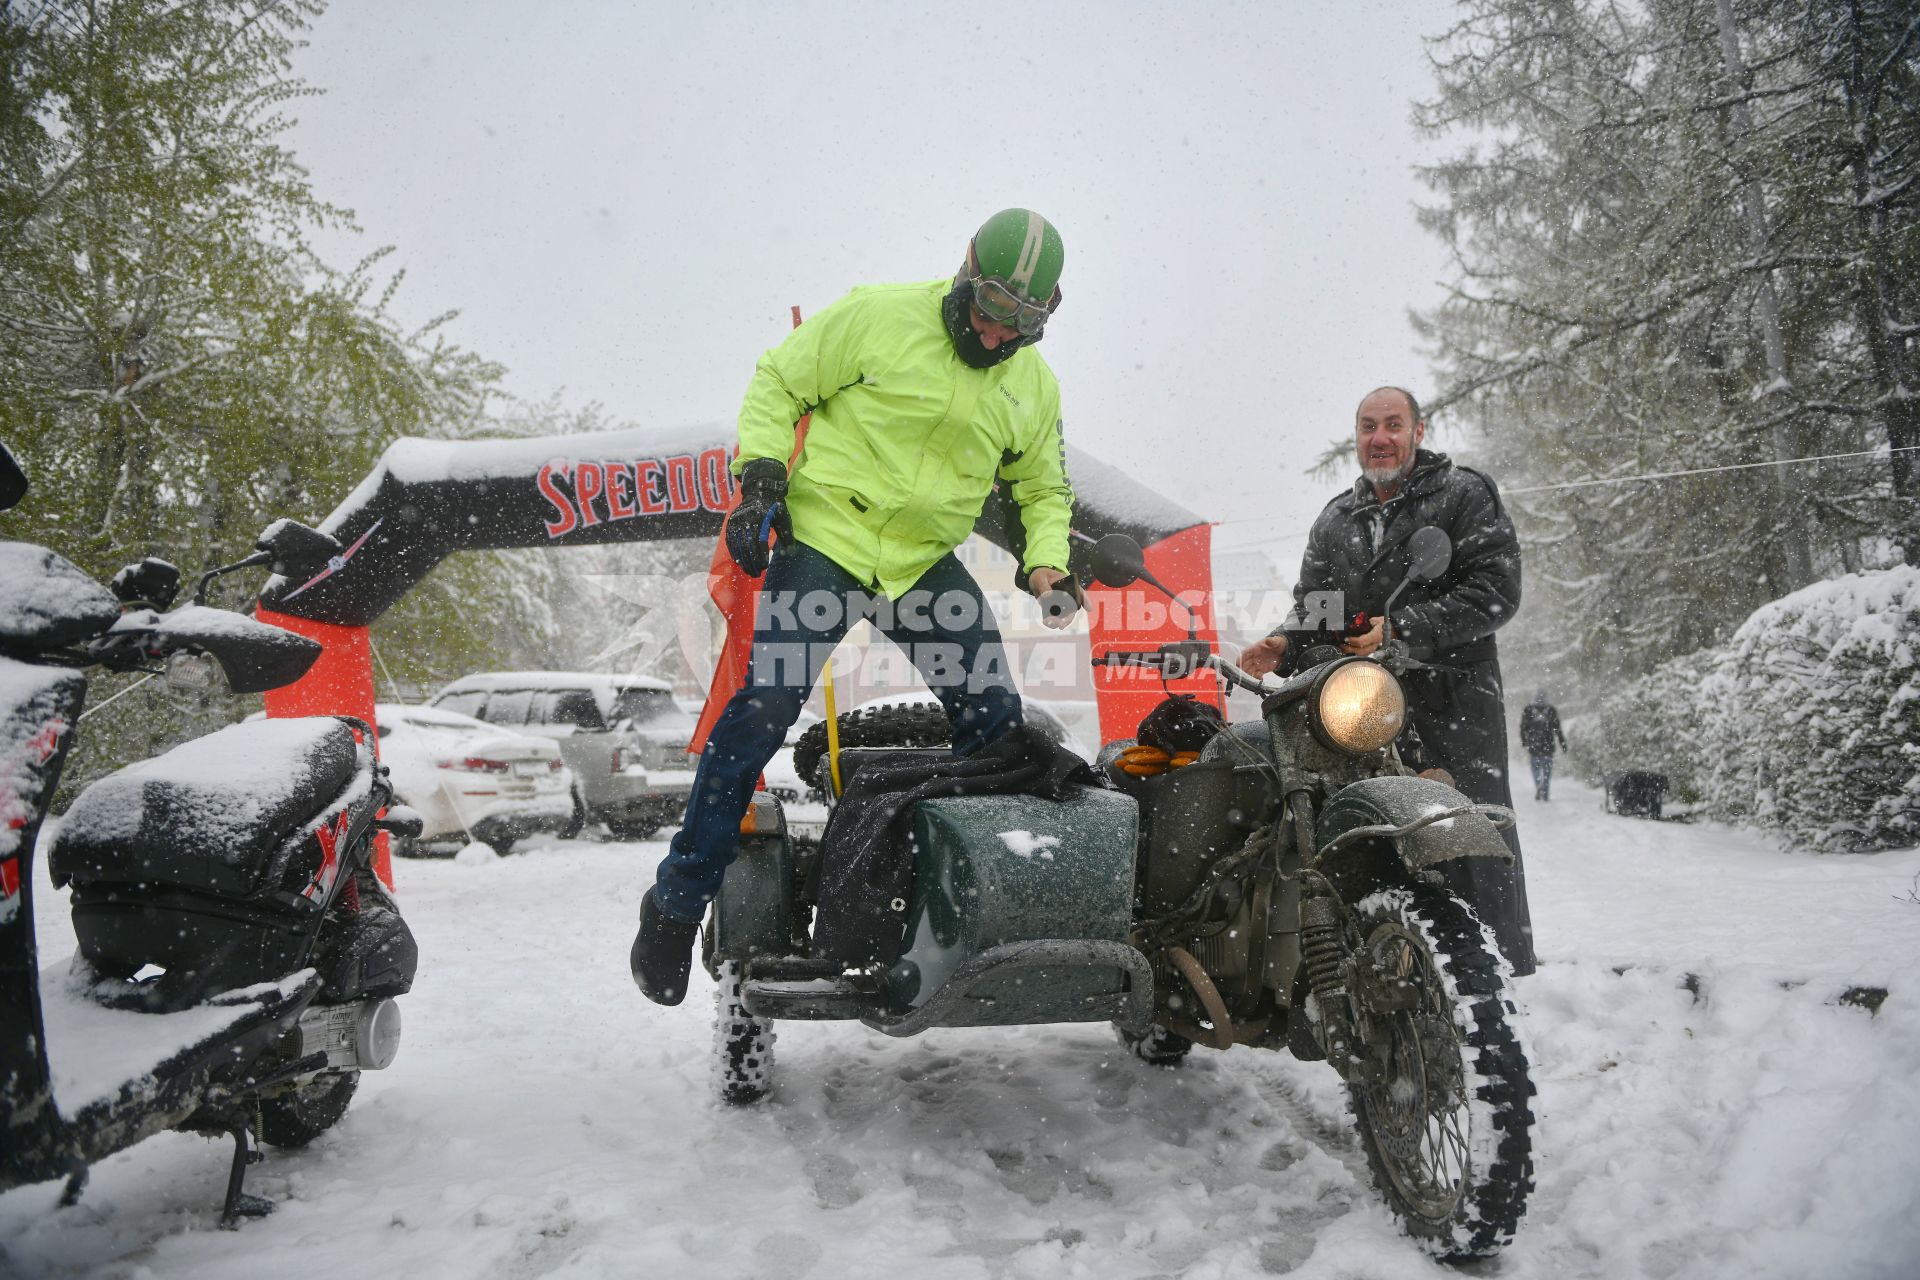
(297, 1117)
(1443, 1102)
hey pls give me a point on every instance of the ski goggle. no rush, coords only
(998, 302)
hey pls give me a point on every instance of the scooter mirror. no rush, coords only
(13, 481)
(150, 584)
(1432, 553)
(1117, 561)
(297, 549)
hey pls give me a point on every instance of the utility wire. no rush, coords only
(1702, 471)
(102, 706)
(1652, 475)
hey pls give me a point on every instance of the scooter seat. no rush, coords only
(215, 814)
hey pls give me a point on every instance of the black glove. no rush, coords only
(1063, 601)
(763, 485)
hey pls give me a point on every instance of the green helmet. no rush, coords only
(1023, 250)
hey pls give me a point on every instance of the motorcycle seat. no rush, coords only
(854, 759)
(216, 814)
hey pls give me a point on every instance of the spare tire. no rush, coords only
(911, 724)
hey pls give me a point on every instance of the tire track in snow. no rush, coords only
(1333, 1135)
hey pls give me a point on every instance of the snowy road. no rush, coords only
(544, 1120)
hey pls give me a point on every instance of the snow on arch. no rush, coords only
(426, 499)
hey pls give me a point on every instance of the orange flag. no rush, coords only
(735, 594)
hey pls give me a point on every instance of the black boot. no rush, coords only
(662, 956)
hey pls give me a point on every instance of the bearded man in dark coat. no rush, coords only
(1359, 547)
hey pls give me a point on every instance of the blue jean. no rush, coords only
(806, 605)
(1542, 772)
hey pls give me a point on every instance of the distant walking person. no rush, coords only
(1539, 730)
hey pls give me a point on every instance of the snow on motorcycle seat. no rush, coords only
(217, 815)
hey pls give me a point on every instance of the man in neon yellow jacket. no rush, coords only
(922, 396)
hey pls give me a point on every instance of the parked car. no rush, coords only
(624, 738)
(471, 779)
(805, 805)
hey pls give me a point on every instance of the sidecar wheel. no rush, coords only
(1156, 1046)
(1442, 1096)
(742, 1043)
(297, 1117)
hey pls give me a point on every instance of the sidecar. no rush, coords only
(1019, 913)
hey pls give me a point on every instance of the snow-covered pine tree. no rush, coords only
(1629, 198)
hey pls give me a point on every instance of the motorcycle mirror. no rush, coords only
(13, 481)
(296, 548)
(1117, 561)
(1432, 553)
(150, 584)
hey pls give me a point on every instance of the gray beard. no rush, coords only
(1379, 476)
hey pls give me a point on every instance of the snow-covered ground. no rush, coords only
(543, 1119)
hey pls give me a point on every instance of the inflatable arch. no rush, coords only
(427, 499)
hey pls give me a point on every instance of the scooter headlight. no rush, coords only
(1357, 707)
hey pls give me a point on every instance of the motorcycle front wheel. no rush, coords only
(742, 1042)
(1442, 1094)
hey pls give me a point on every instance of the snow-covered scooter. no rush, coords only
(1278, 892)
(237, 958)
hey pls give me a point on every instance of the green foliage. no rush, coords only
(180, 367)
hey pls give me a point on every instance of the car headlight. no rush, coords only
(1357, 707)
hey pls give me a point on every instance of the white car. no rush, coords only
(471, 780)
(624, 737)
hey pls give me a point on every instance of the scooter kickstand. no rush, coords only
(239, 1204)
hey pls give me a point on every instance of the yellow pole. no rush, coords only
(833, 730)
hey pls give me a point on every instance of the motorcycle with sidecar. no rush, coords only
(1279, 892)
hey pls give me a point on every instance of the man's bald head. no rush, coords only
(1387, 431)
(1413, 406)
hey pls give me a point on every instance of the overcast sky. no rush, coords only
(623, 200)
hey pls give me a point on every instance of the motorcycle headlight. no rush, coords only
(1357, 707)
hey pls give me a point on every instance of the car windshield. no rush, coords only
(651, 709)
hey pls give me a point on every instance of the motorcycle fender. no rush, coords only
(1394, 801)
(753, 911)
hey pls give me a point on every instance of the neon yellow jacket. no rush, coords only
(905, 440)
